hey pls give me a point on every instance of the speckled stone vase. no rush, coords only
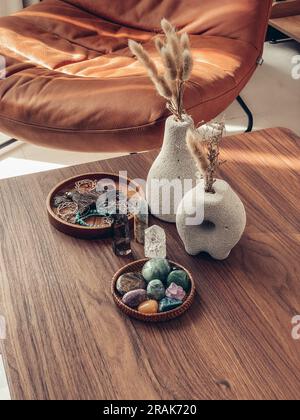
(222, 224)
(173, 167)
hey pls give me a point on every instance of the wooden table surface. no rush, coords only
(285, 17)
(289, 25)
(67, 340)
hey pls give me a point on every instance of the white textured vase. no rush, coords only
(221, 224)
(173, 173)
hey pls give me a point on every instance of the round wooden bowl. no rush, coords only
(85, 232)
(137, 266)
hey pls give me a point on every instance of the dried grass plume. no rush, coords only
(177, 59)
(204, 146)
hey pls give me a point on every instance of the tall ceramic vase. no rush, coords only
(212, 223)
(173, 173)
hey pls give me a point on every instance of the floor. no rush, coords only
(272, 95)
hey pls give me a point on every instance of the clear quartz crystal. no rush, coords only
(155, 242)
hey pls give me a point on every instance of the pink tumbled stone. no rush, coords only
(175, 292)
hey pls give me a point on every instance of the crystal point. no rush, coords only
(121, 239)
(155, 242)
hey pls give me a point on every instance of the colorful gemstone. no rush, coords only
(156, 290)
(168, 304)
(135, 298)
(130, 281)
(180, 278)
(175, 292)
(148, 307)
(156, 269)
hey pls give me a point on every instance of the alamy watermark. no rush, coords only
(296, 327)
(163, 196)
(296, 67)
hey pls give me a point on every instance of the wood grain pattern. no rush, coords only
(67, 340)
(289, 25)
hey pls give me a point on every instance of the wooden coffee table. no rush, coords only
(285, 18)
(67, 340)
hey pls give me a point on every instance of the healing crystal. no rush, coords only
(135, 298)
(121, 235)
(141, 221)
(167, 304)
(155, 242)
(156, 269)
(175, 292)
(180, 278)
(156, 290)
(148, 307)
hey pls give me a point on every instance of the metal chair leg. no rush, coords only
(7, 143)
(248, 113)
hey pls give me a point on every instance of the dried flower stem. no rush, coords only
(204, 145)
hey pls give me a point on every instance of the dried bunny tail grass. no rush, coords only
(170, 64)
(185, 41)
(197, 151)
(173, 42)
(159, 44)
(175, 48)
(143, 57)
(167, 27)
(162, 87)
(160, 83)
(187, 66)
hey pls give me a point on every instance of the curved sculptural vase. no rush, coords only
(173, 173)
(212, 223)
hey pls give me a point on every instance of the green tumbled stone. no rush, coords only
(156, 290)
(156, 269)
(180, 278)
(130, 281)
(168, 304)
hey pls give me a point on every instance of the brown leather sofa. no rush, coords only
(73, 84)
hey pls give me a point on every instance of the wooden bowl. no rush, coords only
(85, 232)
(137, 266)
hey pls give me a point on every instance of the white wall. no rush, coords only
(11, 6)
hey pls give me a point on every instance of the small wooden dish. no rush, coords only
(137, 266)
(85, 232)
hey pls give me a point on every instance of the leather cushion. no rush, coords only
(237, 19)
(70, 71)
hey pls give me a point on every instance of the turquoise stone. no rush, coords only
(156, 269)
(168, 304)
(180, 278)
(156, 290)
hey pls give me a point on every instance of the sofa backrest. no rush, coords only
(242, 19)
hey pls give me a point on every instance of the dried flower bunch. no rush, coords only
(204, 146)
(177, 60)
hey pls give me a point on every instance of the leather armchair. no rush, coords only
(71, 82)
